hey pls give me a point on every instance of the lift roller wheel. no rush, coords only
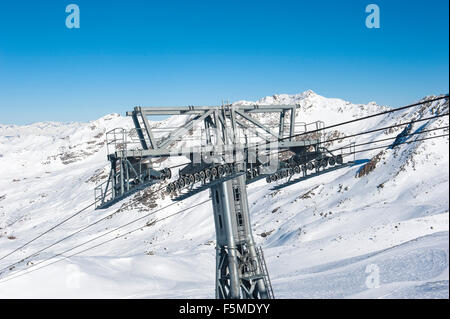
(339, 159)
(214, 172)
(167, 173)
(227, 168)
(292, 162)
(332, 161)
(317, 164)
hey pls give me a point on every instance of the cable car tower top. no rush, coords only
(228, 146)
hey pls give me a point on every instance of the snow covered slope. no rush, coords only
(326, 237)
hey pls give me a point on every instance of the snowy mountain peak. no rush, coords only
(109, 117)
(308, 99)
(279, 99)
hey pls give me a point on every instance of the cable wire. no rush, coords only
(374, 130)
(382, 129)
(353, 121)
(134, 230)
(386, 146)
(280, 139)
(64, 221)
(369, 116)
(27, 270)
(391, 138)
(73, 234)
(47, 231)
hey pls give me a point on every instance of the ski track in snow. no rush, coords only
(319, 235)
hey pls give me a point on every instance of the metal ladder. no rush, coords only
(265, 273)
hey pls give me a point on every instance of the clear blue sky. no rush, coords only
(129, 53)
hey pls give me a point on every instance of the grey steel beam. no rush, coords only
(139, 131)
(148, 129)
(162, 152)
(187, 110)
(292, 127)
(233, 124)
(281, 131)
(257, 123)
(243, 125)
(231, 246)
(172, 137)
(219, 132)
(223, 122)
(263, 108)
(207, 132)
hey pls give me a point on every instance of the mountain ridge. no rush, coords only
(318, 236)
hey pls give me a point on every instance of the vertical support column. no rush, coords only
(227, 270)
(234, 138)
(121, 177)
(238, 270)
(114, 178)
(253, 274)
(127, 174)
(292, 127)
(207, 132)
(231, 248)
(281, 131)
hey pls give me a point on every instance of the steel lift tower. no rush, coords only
(228, 147)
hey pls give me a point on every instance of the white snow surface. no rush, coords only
(322, 237)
